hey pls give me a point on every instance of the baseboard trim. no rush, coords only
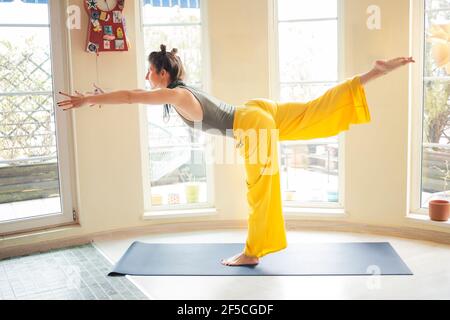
(291, 225)
(400, 232)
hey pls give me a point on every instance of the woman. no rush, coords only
(325, 116)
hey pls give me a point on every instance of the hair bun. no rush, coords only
(163, 48)
(174, 51)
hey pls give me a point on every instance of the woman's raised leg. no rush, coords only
(335, 110)
(326, 116)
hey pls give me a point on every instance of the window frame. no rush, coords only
(274, 92)
(416, 104)
(150, 209)
(61, 81)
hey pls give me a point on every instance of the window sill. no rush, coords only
(315, 212)
(168, 214)
(41, 232)
(425, 219)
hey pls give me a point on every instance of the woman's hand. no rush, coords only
(386, 66)
(77, 101)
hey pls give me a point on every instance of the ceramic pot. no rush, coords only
(439, 210)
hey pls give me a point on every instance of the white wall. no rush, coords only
(376, 166)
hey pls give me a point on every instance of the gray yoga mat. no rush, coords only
(298, 259)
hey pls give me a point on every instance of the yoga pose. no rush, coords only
(326, 116)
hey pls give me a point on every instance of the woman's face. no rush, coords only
(156, 80)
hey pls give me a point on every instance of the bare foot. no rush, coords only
(239, 260)
(386, 66)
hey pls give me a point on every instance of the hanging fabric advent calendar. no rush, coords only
(107, 29)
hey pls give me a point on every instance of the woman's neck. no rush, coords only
(175, 83)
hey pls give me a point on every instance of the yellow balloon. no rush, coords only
(441, 54)
(440, 32)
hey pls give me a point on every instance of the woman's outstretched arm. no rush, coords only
(382, 67)
(156, 97)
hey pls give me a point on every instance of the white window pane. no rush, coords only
(177, 152)
(179, 194)
(310, 171)
(28, 151)
(306, 9)
(303, 92)
(436, 118)
(188, 42)
(25, 59)
(437, 48)
(170, 13)
(308, 51)
(436, 150)
(172, 132)
(19, 12)
(177, 164)
(437, 4)
(434, 171)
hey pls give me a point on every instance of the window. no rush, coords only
(308, 63)
(35, 189)
(430, 102)
(179, 176)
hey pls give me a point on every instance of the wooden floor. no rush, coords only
(429, 261)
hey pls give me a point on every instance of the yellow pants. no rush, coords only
(258, 127)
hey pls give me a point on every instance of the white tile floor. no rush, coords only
(430, 263)
(74, 273)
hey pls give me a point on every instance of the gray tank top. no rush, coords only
(216, 114)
